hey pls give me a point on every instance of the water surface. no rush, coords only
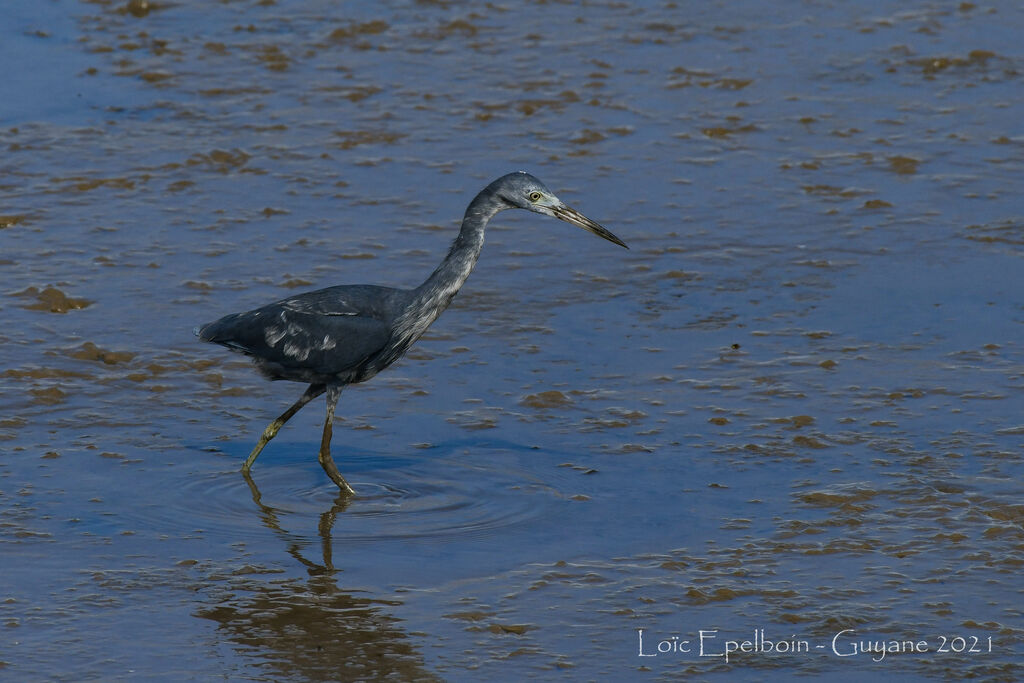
(795, 405)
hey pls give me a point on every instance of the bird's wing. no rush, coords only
(331, 301)
(320, 336)
(326, 343)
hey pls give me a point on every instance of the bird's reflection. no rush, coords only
(294, 544)
(310, 628)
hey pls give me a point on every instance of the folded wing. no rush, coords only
(319, 333)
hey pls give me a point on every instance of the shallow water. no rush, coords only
(794, 405)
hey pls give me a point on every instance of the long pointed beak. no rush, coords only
(573, 216)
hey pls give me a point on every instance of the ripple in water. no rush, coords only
(398, 497)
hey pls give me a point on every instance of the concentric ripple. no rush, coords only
(398, 497)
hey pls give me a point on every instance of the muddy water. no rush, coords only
(792, 410)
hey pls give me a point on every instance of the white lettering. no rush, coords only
(835, 641)
(710, 635)
(640, 645)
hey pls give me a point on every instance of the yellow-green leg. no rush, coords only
(270, 432)
(326, 461)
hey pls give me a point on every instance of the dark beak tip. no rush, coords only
(611, 238)
(614, 239)
(576, 218)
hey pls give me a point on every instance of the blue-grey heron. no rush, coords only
(347, 334)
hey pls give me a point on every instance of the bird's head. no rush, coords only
(521, 190)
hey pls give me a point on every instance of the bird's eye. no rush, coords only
(535, 196)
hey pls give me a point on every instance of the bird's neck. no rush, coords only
(434, 295)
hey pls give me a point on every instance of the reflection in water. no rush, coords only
(314, 630)
(311, 629)
(270, 519)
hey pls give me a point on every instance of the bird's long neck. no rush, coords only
(434, 295)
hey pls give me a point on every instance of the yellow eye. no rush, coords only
(535, 196)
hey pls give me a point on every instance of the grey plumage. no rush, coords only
(330, 335)
(347, 334)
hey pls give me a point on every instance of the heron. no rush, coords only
(346, 334)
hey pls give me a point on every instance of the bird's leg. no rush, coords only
(326, 461)
(270, 432)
